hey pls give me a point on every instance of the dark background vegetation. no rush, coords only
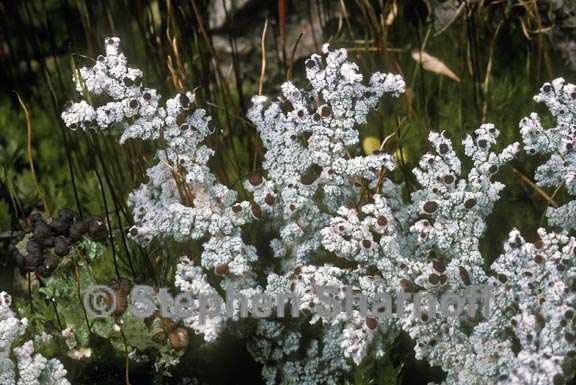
(501, 50)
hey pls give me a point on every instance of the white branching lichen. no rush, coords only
(559, 142)
(30, 368)
(323, 201)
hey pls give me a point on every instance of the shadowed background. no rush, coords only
(465, 63)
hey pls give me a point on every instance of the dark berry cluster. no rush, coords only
(47, 241)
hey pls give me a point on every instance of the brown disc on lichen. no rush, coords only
(371, 323)
(269, 199)
(434, 279)
(325, 111)
(382, 221)
(407, 286)
(443, 279)
(464, 276)
(255, 180)
(430, 206)
(222, 269)
(256, 210)
(438, 266)
(184, 101)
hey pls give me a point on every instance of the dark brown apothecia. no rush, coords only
(464, 276)
(255, 180)
(179, 338)
(97, 229)
(371, 323)
(221, 269)
(256, 209)
(430, 206)
(382, 221)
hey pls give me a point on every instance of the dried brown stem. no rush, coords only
(263, 68)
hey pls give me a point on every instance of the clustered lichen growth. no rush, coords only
(340, 221)
(30, 368)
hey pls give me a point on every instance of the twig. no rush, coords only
(535, 187)
(109, 225)
(375, 49)
(291, 62)
(282, 22)
(174, 64)
(126, 358)
(30, 293)
(29, 152)
(79, 294)
(263, 69)
(486, 83)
